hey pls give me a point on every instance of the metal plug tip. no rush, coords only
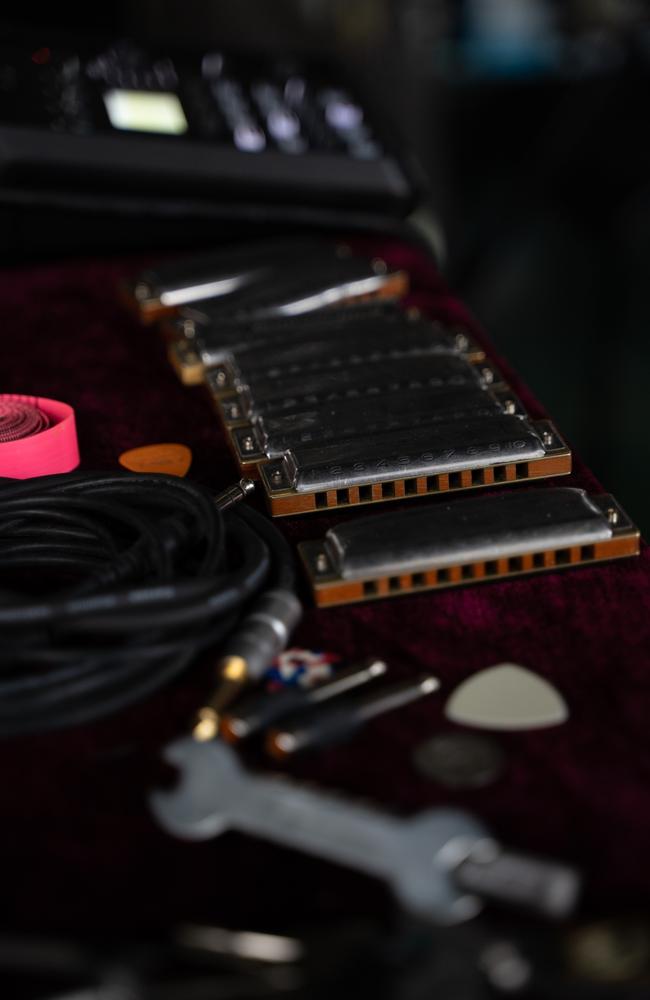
(286, 742)
(247, 486)
(207, 726)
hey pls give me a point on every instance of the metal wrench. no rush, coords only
(433, 862)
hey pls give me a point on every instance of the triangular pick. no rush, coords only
(172, 459)
(506, 697)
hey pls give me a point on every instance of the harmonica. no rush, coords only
(264, 370)
(270, 435)
(415, 462)
(282, 277)
(296, 393)
(291, 342)
(468, 541)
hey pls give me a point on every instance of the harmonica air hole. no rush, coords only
(538, 560)
(521, 470)
(467, 572)
(419, 580)
(432, 484)
(387, 490)
(443, 576)
(499, 474)
(394, 583)
(410, 487)
(454, 481)
(491, 567)
(515, 564)
(342, 496)
(370, 588)
(587, 552)
(321, 500)
(365, 494)
(477, 477)
(562, 557)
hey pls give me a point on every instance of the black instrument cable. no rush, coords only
(112, 583)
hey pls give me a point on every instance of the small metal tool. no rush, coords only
(435, 862)
(260, 710)
(341, 722)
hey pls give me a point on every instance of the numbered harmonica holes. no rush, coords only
(515, 564)
(410, 487)
(443, 576)
(491, 568)
(394, 583)
(387, 490)
(342, 496)
(499, 472)
(467, 572)
(321, 500)
(562, 557)
(538, 560)
(454, 481)
(365, 493)
(432, 484)
(521, 470)
(370, 588)
(477, 477)
(587, 552)
(419, 580)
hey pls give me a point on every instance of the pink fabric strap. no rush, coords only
(37, 437)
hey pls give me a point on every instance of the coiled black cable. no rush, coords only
(111, 584)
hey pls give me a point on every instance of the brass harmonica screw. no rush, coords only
(379, 266)
(547, 439)
(612, 515)
(233, 412)
(247, 443)
(321, 562)
(220, 377)
(189, 328)
(488, 375)
(509, 406)
(142, 290)
(276, 476)
(461, 341)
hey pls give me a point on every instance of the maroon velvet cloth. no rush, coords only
(78, 847)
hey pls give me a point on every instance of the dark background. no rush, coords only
(529, 118)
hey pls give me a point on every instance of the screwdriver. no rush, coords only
(339, 723)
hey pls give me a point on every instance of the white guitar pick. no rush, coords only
(506, 697)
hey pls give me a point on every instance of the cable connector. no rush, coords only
(233, 494)
(262, 635)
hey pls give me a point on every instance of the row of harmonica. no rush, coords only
(334, 396)
(333, 400)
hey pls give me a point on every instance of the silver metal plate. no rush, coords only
(371, 415)
(360, 383)
(464, 531)
(290, 345)
(302, 290)
(223, 273)
(424, 451)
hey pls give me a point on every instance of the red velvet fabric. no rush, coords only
(78, 846)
